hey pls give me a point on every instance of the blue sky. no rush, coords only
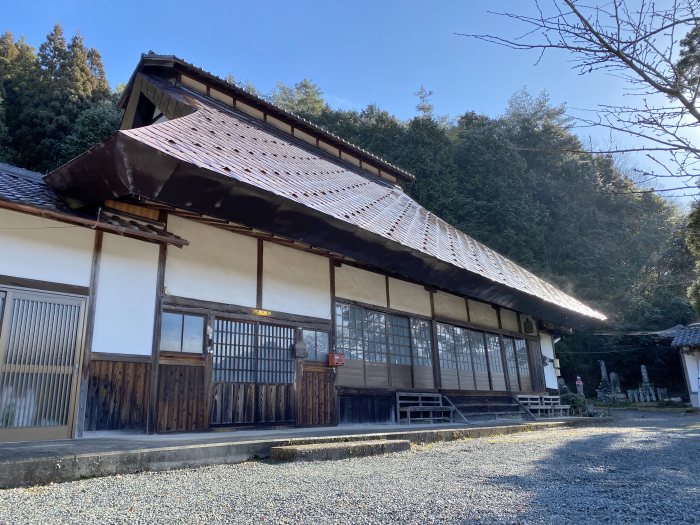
(358, 51)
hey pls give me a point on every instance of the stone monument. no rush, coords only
(646, 391)
(615, 383)
(604, 389)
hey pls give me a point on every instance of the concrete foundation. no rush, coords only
(331, 451)
(27, 464)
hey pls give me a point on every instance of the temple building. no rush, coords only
(220, 262)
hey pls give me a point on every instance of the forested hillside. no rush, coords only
(517, 182)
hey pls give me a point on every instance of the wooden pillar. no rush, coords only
(155, 347)
(502, 346)
(79, 424)
(259, 281)
(437, 378)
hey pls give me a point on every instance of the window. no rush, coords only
(399, 333)
(348, 331)
(373, 336)
(245, 352)
(494, 353)
(511, 362)
(275, 363)
(462, 348)
(521, 351)
(476, 343)
(421, 342)
(182, 333)
(316, 345)
(446, 346)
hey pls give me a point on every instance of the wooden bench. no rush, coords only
(419, 407)
(534, 405)
(553, 403)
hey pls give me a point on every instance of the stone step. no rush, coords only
(492, 407)
(338, 450)
(488, 416)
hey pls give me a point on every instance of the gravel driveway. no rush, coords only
(638, 470)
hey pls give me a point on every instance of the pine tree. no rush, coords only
(47, 94)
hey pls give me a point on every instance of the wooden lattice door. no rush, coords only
(41, 341)
(252, 374)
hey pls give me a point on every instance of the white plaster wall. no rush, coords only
(126, 294)
(296, 282)
(360, 285)
(509, 320)
(217, 265)
(450, 306)
(46, 250)
(409, 297)
(547, 346)
(483, 314)
(691, 363)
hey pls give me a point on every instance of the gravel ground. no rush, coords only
(643, 469)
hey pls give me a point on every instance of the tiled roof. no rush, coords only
(225, 141)
(24, 187)
(689, 336)
(152, 58)
(27, 187)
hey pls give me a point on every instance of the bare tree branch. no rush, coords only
(641, 42)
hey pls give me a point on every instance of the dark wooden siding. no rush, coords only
(423, 376)
(401, 376)
(183, 394)
(367, 408)
(251, 403)
(118, 393)
(482, 381)
(352, 374)
(449, 378)
(317, 396)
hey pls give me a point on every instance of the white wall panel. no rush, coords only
(483, 314)
(450, 306)
(45, 250)
(409, 297)
(547, 346)
(296, 282)
(360, 285)
(126, 294)
(509, 320)
(691, 363)
(217, 266)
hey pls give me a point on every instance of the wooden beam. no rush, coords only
(202, 307)
(47, 286)
(155, 345)
(259, 281)
(437, 379)
(89, 331)
(93, 224)
(122, 358)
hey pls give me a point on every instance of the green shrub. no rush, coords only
(578, 404)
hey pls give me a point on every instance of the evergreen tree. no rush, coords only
(303, 98)
(45, 96)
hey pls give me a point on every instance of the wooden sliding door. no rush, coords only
(41, 345)
(253, 374)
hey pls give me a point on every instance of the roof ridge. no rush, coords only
(152, 55)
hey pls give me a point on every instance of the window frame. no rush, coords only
(183, 314)
(341, 336)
